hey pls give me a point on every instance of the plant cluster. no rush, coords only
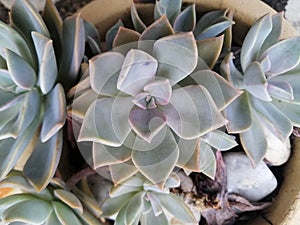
(149, 101)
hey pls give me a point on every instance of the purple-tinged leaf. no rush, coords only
(161, 90)
(172, 7)
(281, 90)
(111, 34)
(146, 123)
(125, 36)
(139, 68)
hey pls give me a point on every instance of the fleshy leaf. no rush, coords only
(255, 82)
(177, 208)
(221, 91)
(277, 122)
(132, 185)
(254, 40)
(146, 122)
(42, 164)
(274, 35)
(12, 40)
(207, 160)
(231, 73)
(55, 112)
(281, 90)
(33, 211)
(47, 62)
(104, 155)
(186, 20)
(254, 141)
(104, 71)
(139, 68)
(64, 214)
(125, 36)
(134, 208)
(220, 140)
(290, 110)
(161, 90)
(73, 50)
(158, 29)
(136, 20)
(192, 112)
(111, 34)
(284, 56)
(157, 163)
(12, 149)
(69, 199)
(238, 114)
(183, 49)
(25, 17)
(214, 30)
(106, 121)
(209, 50)
(189, 154)
(20, 70)
(150, 218)
(172, 7)
(111, 206)
(207, 20)
(122, 171)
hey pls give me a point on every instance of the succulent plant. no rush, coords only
(136, 200)
(35, 69)
(139, 119)
(53, 205)
(269, 79)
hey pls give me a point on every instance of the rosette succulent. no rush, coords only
(35, 69)
(138, 201)
(269, 78)
(54, 205)
(146, 104)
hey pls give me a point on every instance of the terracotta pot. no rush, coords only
(104, 13)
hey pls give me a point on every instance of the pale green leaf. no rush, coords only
(177, 208)
(155, 204)
(220, 140)
(275, 120)
(134, 208)
(189, 154)
(157, 164)
(55, 113)
(106, 121)
(81, 104)
(110, 206)
(183, 49)
(207, 20)
(222, 92)
(256, 83)
(192, 112)
(290, 110)
(138, 24)
(104, 155)
(72, 51)
(214, 30)
(275, 34)
(284, 55)
(104, 71)
(5, 78)
(69, 199)
(172, 7)
(254, 141)
(64, 214)
(281, 90)
(207, 160)
(52, 219)
(254, 40)
(26, 19)
(186, 20)
(139, 68)
(12, 40)
(238, 114)
(33, 211)
(149, 219)
(20, 71)
(132, 185)
(40, 172)
(122, 171)
(47, 62)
